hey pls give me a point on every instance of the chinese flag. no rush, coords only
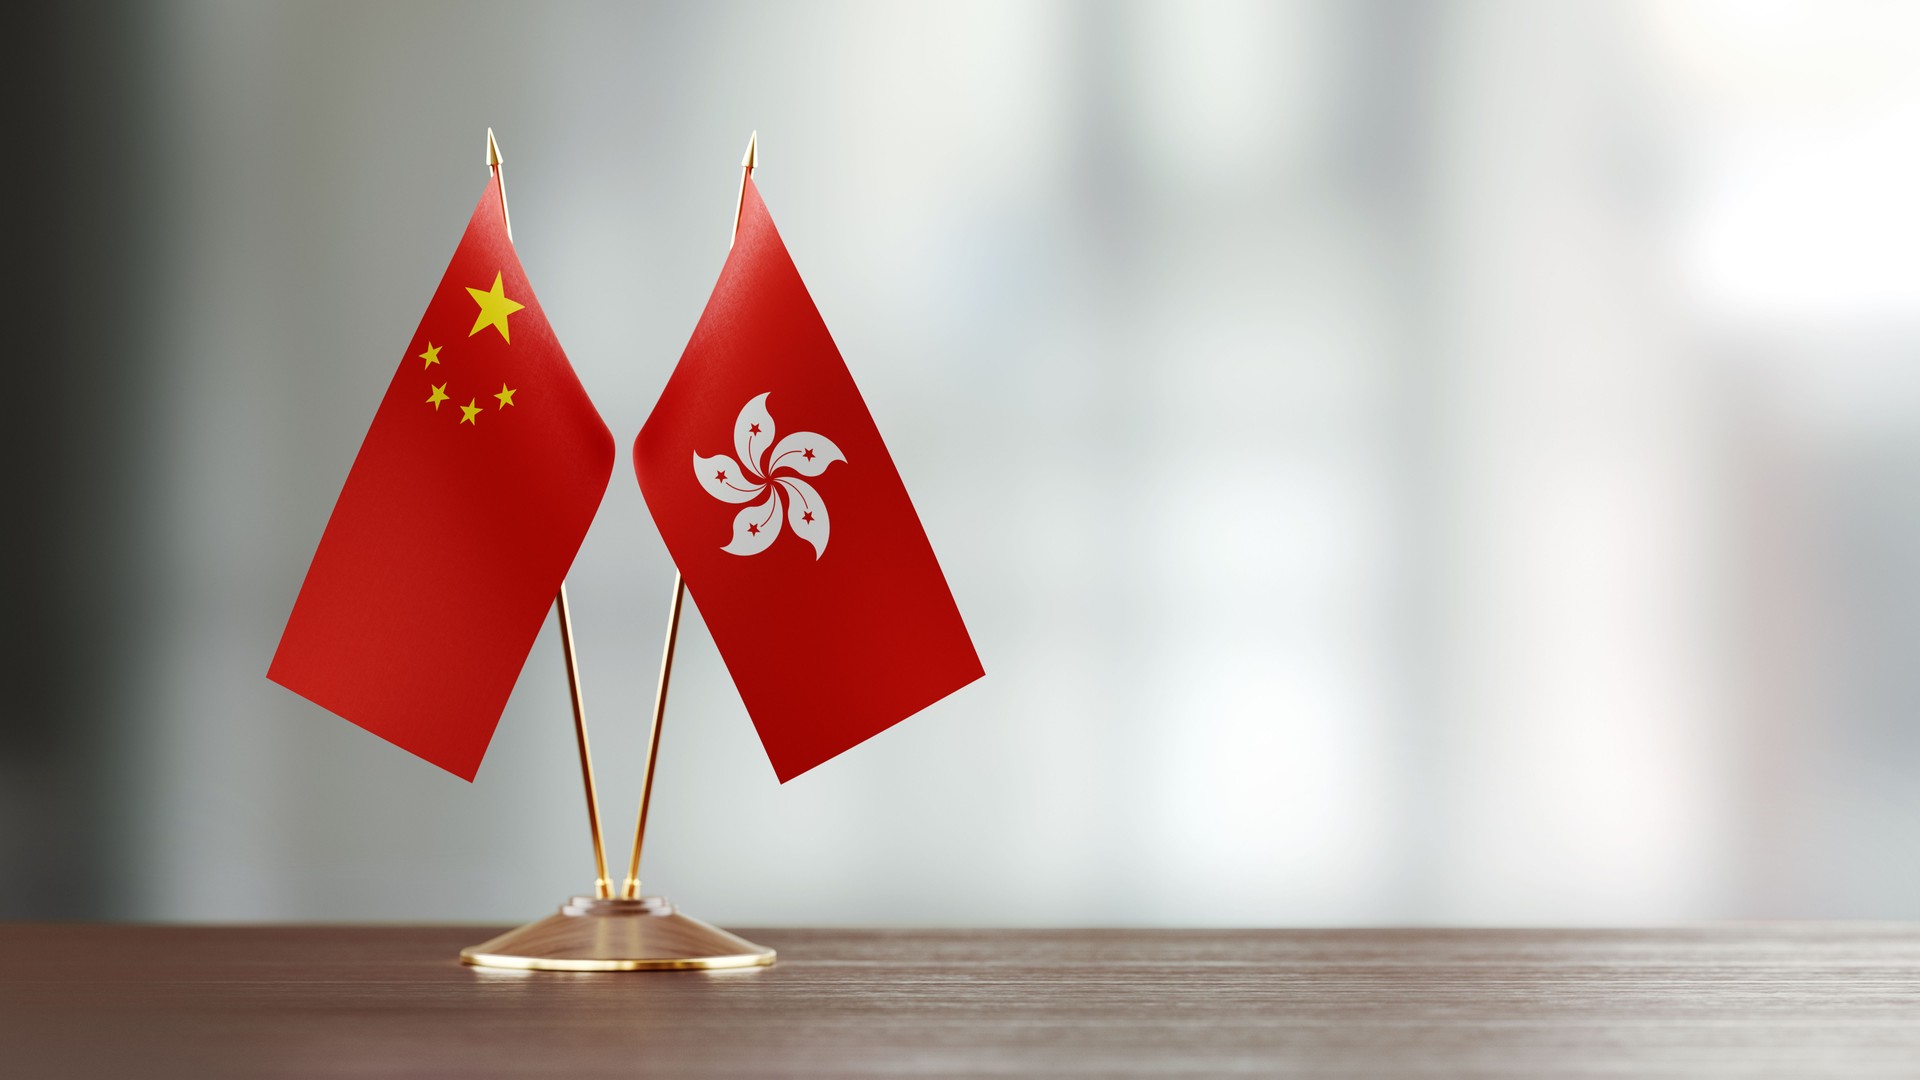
(466, 505)
(781, 507)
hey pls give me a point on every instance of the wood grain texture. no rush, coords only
(1748, 1001)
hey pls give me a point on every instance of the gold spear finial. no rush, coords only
(747, 162)
(500, 174)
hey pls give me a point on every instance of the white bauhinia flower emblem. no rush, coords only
(768, 475)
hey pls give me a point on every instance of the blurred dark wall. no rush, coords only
(83, 327)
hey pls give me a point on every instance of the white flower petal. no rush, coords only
(756, 527)
(720, 475)
(805, 453)
(752, 444)
(806, 513)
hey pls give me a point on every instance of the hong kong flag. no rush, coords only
(465, 507)
(782, 508)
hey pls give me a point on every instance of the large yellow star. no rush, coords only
(439, 395)
(494, 309)
(472, 411)
(505, 395)
(432, 355)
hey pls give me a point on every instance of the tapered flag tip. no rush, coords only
(752, 157)
(493, 150)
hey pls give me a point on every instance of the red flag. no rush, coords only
(781, 507)
(459, 519)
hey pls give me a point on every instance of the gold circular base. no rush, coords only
(543, 963)
(617, 935)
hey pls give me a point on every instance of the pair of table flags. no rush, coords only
(760, 464)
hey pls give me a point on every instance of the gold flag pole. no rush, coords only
(632, 932)
(602, 885)
(630, 889)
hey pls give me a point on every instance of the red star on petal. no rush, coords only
(753, 429)
(808, 516)
(754, 530)
(809, 454)
(721, 475)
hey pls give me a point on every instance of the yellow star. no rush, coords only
(471, 410)
(494, 309)
(505, 395)
(439, 395)
(432, 355)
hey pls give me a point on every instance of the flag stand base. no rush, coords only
(617, 935)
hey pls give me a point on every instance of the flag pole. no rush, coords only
(630, 888)
(602, 886)
(604, 933)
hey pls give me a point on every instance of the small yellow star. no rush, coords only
(494, 309)
(505, 395)
(471, 410)
(432, 355)
(439, 395)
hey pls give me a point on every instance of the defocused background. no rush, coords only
(1400, 462)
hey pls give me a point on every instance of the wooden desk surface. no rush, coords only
(1794, 1000)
